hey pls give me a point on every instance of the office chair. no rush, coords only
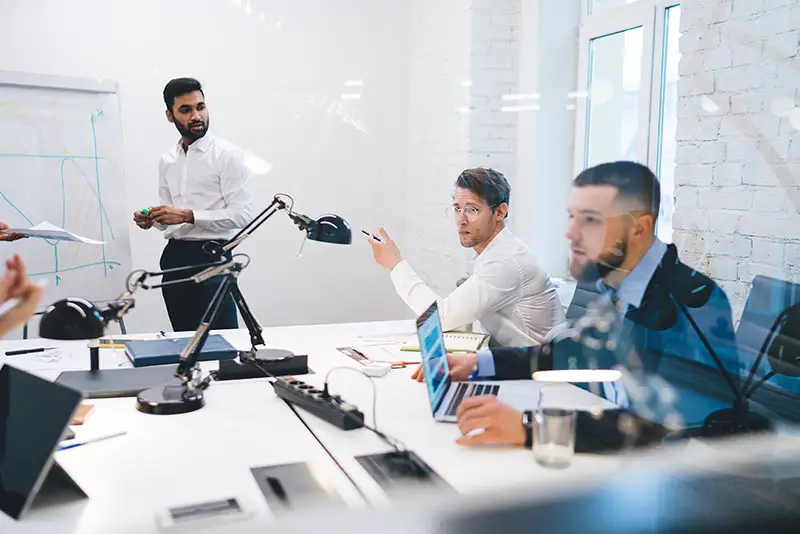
(122, 328)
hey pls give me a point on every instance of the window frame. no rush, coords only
(650, 15)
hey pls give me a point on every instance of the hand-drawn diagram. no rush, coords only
(60, 161)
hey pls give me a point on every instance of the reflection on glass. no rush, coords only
(768, 334)
(669, 122)
(615, 75)
(597, 6)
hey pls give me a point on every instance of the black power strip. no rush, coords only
(331, 408)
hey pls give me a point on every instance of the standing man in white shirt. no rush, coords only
(205, 196)
(508, 292)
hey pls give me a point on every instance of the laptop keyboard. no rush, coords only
(466, 389)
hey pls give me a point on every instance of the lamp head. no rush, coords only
(331, 229)
(72, 318)
(326, 229)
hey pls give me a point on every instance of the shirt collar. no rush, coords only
(496, 241)
(201, 144)
(631, 290)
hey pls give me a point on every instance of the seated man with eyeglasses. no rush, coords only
(508, 292)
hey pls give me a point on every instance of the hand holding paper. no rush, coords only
(46, 230)
(6, 235)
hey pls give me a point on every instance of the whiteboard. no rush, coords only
(61, 161)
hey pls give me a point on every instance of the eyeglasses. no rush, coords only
(470, 212)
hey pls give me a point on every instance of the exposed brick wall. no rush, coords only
(737, 175)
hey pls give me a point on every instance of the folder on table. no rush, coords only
(167, 351)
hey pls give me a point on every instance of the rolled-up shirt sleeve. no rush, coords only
(235, 190)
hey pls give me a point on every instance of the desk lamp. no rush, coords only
(326, 229)
(75, 318)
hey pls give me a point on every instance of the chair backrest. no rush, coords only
(25, 326)
(768, 298)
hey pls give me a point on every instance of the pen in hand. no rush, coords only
(376, 238)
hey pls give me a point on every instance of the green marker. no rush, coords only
(145, 211)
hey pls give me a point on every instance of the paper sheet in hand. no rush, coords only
(46, 230)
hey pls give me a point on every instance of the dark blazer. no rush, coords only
(641, 339)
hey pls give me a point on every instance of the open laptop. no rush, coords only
(34, 416)
(446, 395)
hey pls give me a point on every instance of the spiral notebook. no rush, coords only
(454, 341)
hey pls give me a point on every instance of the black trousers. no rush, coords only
(187, 302)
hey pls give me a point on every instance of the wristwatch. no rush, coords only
(527, 424)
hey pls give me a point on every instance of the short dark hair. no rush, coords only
(632, 180)
(488, 184)
(179, 87)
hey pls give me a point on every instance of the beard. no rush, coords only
(188, 133)
(609, 261)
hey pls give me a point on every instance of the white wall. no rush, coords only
(434, 75)
(273, 72)
(738, 141)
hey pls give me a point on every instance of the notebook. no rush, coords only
(454, 341)
(168, 350)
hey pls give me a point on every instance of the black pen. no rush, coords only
(28, 351)
(376, 238)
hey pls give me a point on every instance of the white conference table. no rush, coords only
(205, 455)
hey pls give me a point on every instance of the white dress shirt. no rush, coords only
(508, 292)
(211, 179)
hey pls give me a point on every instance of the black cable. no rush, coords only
(305, 424)
(258, 365)
(737, 393)
(395, 443)
(291, 200)
(758, 384)
(327, 451)
(242, 255)
(128, 285)
(746, 390)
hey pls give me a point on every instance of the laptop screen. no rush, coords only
(34, 414)
(434, 356)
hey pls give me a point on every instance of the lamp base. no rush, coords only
(267, 355)
(168, 400)
(734, 421)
